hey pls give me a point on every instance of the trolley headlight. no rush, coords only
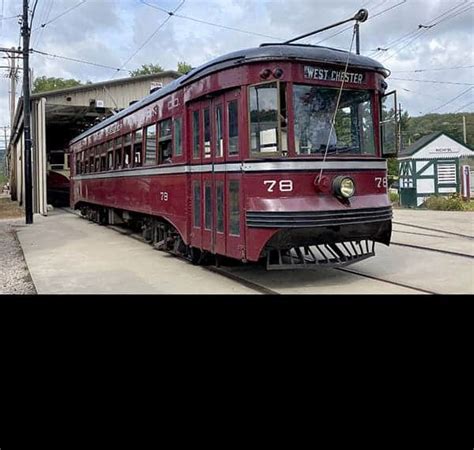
(343, 187)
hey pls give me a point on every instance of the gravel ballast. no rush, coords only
(14, 275)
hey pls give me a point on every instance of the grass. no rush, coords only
(469, 206)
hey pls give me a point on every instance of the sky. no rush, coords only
(124, 34)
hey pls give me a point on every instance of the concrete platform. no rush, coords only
(69, 255)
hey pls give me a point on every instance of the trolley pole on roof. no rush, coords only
(357, 36)
(27, 115)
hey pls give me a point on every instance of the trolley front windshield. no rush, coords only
(314, 108)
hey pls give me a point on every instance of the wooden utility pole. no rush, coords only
(12, 87)
(464, 129)
(27, 115)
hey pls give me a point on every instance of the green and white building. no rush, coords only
(431, 166)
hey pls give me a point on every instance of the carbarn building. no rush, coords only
(59, 116)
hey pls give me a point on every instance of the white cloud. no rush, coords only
(110, 31)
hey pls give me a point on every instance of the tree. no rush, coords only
(184, 68)
(44, 84)
(146, 69)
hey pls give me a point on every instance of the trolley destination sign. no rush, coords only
(319, 73)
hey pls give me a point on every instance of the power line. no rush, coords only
(431, 70)
(432, 81)
(10, 17)
(171, 13)
(46, 11)
(154, 33)
(33, 13)
(420, 30)
(60, 15)
(462, 107)
(425, 29)
(77, 60)
(370, 18)
(450, 101)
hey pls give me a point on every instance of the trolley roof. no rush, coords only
(271, 52)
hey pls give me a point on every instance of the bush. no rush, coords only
(394, 197)
(452, 203)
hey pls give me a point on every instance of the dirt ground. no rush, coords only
(9, 209)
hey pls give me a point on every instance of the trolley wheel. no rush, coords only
(195, 255)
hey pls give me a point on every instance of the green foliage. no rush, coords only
(146, 69)
(414, 128)
(184, 68)
(394, 197)
(44, 84)
(3, 181)
(392, 164)
(452, 203)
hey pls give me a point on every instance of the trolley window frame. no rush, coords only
(280, 152)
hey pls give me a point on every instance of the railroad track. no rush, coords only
(433, 229)
(257, 287)
(430, 249)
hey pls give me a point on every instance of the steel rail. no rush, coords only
(433, 229)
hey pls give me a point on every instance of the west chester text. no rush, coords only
(315, 73)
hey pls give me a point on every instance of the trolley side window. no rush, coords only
(220, 206)
(233, 115)
(207, 133)
(219, 137)
(234, 207)
(207, 207)
(118, 153)
(110, 155)
(178, 136)
(197, 204)
(137, 148)
(127, 151)
(91, 159)
(165, 142)
(150, 146)
(196, 134)
(264, 118)
(103, 162)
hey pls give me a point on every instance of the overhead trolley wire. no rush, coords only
(425, 28)
(171, 14)
(370, 18)
(420, 30)
(181, 16)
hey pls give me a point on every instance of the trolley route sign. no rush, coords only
(318, 73)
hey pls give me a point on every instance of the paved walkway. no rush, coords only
(69, 255)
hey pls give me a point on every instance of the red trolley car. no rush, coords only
(272, 153)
